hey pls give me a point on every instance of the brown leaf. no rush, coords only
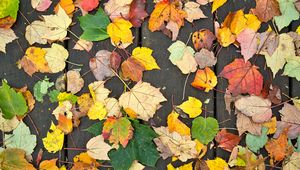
(244, 123)
(132, 69)
(27, 65)
(203, 38)
(7, 22)
(205, 58)
(115, 60)
(227, 140)
(137, 12)
(265, 10)
(293, 132)
(289, 113)
(100, 65)
(275, 94)
(74, 81)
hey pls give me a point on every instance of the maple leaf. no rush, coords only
(175, 125)
(265, 10)
(97, 148)
(203, 38)
(137, 12)
(205, 79)
(117, 130)
(119, 32)
(143, 99)
(279, 148)
(144, 56)
(41, 5)
(54, 140)
(227, 140)
(193, 11)
(180, 146)
(243, 77)
(192, 107)
(166, 12)
(7, 36)
(14, 159)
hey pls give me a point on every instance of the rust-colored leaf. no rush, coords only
(227, 140)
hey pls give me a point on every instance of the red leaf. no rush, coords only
(227, 140)
(243, 77)
(137, 12)
(89, 5)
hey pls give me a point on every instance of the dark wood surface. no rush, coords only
(169, 77)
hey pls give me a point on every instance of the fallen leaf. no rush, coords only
(7, 22)
(82, 45)
(7, 36)
(193, 11)
(288, 13)
(291, 69)
(271, 125)
(67, 5)
(292, 162)
(225, 37)
(244, 123)
(217, 4)
(97, 148)
(49, 164)
(89, 5)
(204, 2)
(144, 56)
(254, 142)
(41, 5)
(14, 158)
(119, 32)
(97, 111)
(203, 38)
(205, 79)
(56, 57)
(112, 107)
(205, 58)
(192, 107)
(100, 65)
(118, 8)
(98, 91)
(65, 124)
(217, 164)
(35, 31)
(7, 125)
(248, 42)
(171, 27)
(279, 148)
(85, 102)
(227, 140)
(175, 125)
(74, 81)
(265, 10)
(244, 79)
(256, 107)
(293, 129)
(54, 140)
(290, 114)
(21, 138)
(132, 69)
(117, 130)
(86, 160)
(180, 146)
(137, 12)
(143, 99)
(40, 89)
(188, 166)
(9, 8)
(15, 104)
(205, 129)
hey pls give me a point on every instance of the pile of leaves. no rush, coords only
(122, 137)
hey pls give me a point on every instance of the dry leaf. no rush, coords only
(205, 58)
(193, 11)
(97, 148)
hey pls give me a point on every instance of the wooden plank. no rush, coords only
(226, 56)
(78, 138)
(42, 113)
(170, 78)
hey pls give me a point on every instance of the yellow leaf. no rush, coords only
(298, 29)
(97, 111)
(201, 149)
(85, 102)
(85, 158)
(252, 22)
(54, 140)
(67, 5)
(271, 125)
(188, 166)
(119, 31)
(217, 164)
(37, 56)
(175, 125)
(63, 108)
(56, 57)
(98, 91)
(225, 37)
(296, 102)
(205, 79)
(49, 165)
(144, 56)
(217, 4)
(238, 22)
(192, 107)
(130, 113)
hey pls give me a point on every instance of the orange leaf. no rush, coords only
(203, 39)
(7, 22)
(67, 5)
(227, 140)
(205, 79)
(243, 77)
(279, 148)
(174, 124)
(65, 124)
(132, 69)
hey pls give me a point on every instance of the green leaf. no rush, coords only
(288, 13)
(292, 68)
(64, 96)
(205, 129)
(177, 50)
(53, 95)
(11, 102)
(40, 89)
(21, 139)
(254, 142)
(96, 128)
(9, 8)
(94, 26)
(140, 147)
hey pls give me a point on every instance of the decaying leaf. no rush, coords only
(205, 58)
(193, 11)
(203, 38)
(265, 10)
(244, 123)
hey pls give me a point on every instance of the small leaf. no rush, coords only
(205, 79)
(205, 129)
(54, 140)
(254, 142)
(192, 107)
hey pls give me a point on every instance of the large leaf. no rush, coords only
(12, 103)
(21, 139)
(14, 159)
(243, 77)
(94, 26)
(288, 13)
(205, 129)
